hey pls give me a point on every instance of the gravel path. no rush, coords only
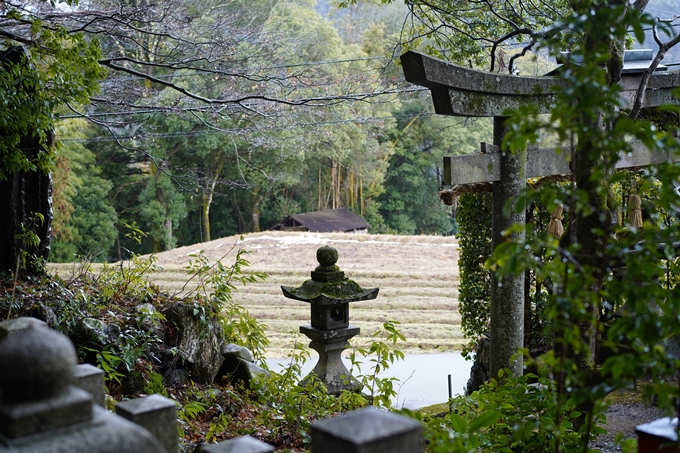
(625, 413)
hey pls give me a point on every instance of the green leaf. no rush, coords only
(458, 423)
(487, 419)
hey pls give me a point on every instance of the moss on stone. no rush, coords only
(344, 290)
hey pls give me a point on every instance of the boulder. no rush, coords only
(479, 373)
(150, 320)
(199, 340)
(238, 352)
(97, 331)
(239, 365)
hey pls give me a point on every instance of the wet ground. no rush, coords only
(626, 411)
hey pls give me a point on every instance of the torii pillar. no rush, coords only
(459, 91)
(506, 331)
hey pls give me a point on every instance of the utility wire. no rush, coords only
(151, 135)
(197, 73)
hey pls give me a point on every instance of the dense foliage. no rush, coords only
(53, 68)
(418, 142)
(132, 339)
(516, 416)
(600, 264)
(285, 122)
(84, 220)
(474, 238)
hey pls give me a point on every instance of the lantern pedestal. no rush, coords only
(330, 369)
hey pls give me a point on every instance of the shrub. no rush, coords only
(518, 416)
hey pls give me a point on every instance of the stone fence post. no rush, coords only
(244, 444)
(367, 431)
(156, 414)
(363, 431)
(50, 404)
(91, 379)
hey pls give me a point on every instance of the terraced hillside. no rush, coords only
(417, 277)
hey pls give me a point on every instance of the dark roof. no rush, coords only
(635, 61)
(329, 221)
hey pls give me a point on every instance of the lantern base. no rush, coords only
(330, 368)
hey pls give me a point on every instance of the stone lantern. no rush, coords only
(329, 294)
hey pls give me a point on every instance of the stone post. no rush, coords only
(507, 294)
(91, 379)
(244, 444)
(367, 431)
(659, 436)
(11, 326)
(155, 413)
(42, 409)
(36, 391)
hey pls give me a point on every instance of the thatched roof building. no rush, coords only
(330, 221)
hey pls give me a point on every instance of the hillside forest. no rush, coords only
(318, 117)
(186, 121)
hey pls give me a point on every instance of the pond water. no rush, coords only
(423, 377)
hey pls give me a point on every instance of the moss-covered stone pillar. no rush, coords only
(507, 294)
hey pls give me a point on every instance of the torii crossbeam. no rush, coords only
(460, 91)
(541, 162)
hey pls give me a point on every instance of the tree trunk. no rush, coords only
(255, 200)
(592, 231)
(334, 183)
(241, 220)
(207, 196)
(338, 180)
(351, 191)
(25, 202)
(361, 197)
(205, 218)
(168, 233)
(26, 209)
(318, 207)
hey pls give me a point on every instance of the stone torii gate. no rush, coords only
(459, 91)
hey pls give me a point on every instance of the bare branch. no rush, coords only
(644, 82)
(640, 5)
(502, 39)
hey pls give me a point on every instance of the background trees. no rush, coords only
(215, 105)
(224, 118)
(84, 220)
(419, 140)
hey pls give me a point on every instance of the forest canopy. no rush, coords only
(211, 118)
(195, 120)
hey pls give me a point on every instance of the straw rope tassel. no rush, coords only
(555, 228)
(635, 211)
